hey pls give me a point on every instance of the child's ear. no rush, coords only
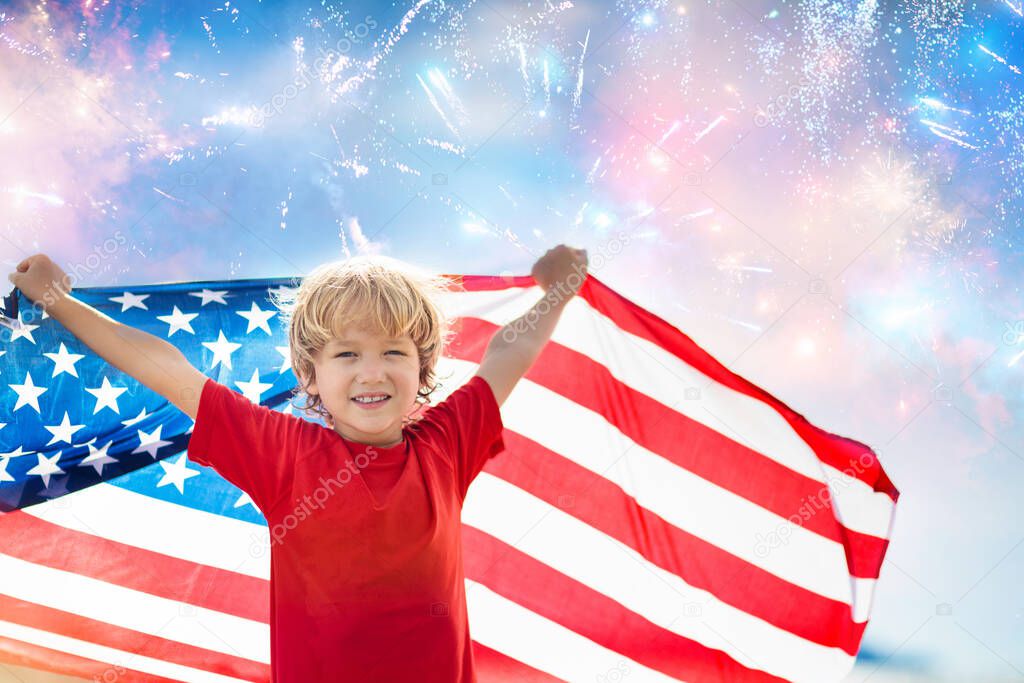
(308, 386)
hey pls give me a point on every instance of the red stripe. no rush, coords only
(17, 531)
(519, 577)
(839, 452)
(20, 653)
(492, 666)
(128, 640)
(685, 442)
(38, 541)
(604, 506)
(864, 553)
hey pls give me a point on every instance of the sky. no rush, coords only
(824, 195)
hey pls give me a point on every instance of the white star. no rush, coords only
(222, 350)
(129, 300)
(62, 432)
(245, 499)
(3, 470)
(176, 473)
(150, 442)
(28, 393)
(45, 467)
(106, 396)
(16, 453)
(282, 293)
(210, 295)
(257, 318)
(254, 388)
(23, 330)
(138, 418)
(286, 358)
(178, 321)
(64, 361)
(98, 457)
(59, 488)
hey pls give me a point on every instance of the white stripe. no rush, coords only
(863, 594)
(651, 370)
(710, 512)
(526, 636)
(616, 571)
(112, 512)
(109, 655)
(868, 513)
(135, 610)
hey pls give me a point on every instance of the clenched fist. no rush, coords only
(563, 268)
(41, 280)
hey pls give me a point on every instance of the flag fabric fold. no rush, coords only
(654, 514)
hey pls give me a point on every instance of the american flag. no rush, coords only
(655, 517)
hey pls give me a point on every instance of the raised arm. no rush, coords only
(152, 361)
(514, 348)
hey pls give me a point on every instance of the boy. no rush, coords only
(369, 585)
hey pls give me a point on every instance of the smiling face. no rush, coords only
(362, 363)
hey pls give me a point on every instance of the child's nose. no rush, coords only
(370, 371)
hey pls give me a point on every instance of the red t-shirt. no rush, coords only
(363, 586)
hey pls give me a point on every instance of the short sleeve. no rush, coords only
(468, 427)
(248, 444)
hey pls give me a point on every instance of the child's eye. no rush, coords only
(351, 353)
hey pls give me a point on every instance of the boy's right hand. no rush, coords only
(41, 280)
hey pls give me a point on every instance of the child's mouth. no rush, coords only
(372, 403)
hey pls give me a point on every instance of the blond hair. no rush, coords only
(375, 292)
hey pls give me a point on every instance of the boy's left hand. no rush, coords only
(563, 264)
